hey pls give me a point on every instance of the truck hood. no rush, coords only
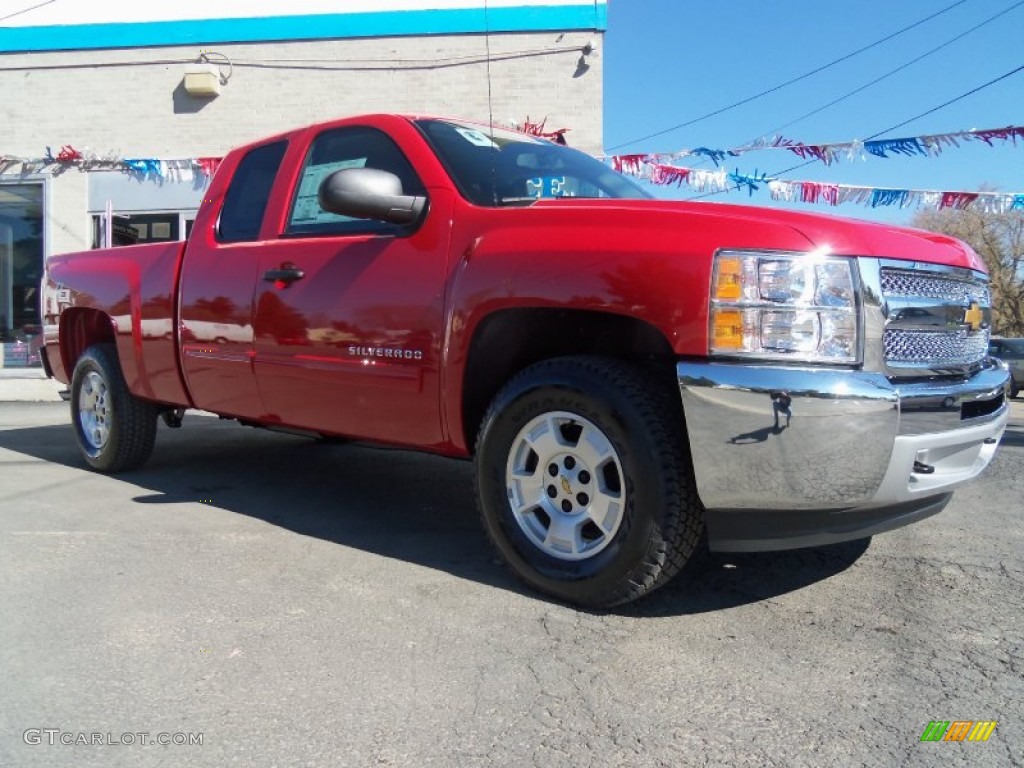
(841, 236)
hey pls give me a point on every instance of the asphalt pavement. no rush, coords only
(291, 603)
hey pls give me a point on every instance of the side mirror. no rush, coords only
(369, 193)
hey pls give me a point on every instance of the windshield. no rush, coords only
(1014, 345)
(491, 166)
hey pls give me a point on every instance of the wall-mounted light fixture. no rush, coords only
(202, 79)
(207, 74)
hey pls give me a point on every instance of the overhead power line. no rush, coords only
(320, 65)
(892, 72)
(918, 117)
(779, 87)
(947, 103)
(927, 112)
(888, 74)
(25, 10)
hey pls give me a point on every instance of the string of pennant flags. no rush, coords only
(721, 180)
(930, 145)
(659, 169)
(181, 169)
(186, 169)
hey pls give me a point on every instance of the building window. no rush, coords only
(131, 229)
(21, 269)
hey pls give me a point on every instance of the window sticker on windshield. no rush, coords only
(478, 138)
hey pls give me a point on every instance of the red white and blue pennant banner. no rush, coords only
(144, 167)
(655, 168)
(174, 170)
(930, 145)
(556, 135)
(874, 197)
(721, 180)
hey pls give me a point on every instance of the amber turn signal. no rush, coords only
(727, 329)
(727, 279)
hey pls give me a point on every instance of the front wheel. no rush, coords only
(584, 480)
(115, 430)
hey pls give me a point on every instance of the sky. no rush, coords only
(668, 62)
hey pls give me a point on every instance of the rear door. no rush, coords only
(349, 312)
(218, 281)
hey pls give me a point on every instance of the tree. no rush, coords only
(999, 239)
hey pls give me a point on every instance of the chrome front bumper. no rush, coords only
(788, 457)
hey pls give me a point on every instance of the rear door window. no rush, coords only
(248, 194)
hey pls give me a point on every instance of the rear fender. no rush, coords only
(122, 295)
(81, 328)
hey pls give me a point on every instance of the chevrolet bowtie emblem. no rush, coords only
(974, 317)
(566, 487)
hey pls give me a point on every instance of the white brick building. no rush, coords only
(107, 79)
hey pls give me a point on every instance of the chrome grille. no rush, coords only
(927, 326)
(936, 348)
(929, 285)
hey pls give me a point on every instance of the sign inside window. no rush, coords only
(475, 137)
(307, 208)
(548, 186)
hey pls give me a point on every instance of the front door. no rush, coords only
(349, 312)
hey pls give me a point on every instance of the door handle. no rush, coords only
(286, 273)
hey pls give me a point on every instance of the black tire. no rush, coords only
(114, 429)
(661, 520)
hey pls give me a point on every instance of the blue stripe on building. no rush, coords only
(308, 27)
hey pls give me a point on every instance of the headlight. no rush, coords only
(784, 306)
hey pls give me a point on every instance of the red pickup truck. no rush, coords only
(627, 373)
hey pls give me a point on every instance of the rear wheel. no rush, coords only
(584, 481)
(114, 429)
